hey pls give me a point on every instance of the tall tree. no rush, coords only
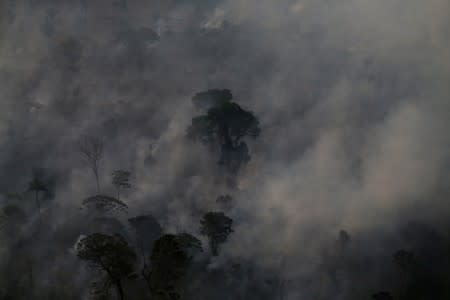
(405, 261)
(225, 124)
(92, 150)
(37, 185)
(170, 259)
(121, 180)
(147, 230)
(109, 254)
(217, 227)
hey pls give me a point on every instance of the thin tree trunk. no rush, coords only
(30, 274)
(404, 284)
(97, 181)
(39, 208)
(147, 279)
(120, 290)
(214, 247)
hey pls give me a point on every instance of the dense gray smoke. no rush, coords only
(351, 164)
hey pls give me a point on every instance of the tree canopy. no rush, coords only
(104, 203)
(170, 259)
(109, 254)
(217, 227)
(225, 124)
(211, 98)
(121, 180)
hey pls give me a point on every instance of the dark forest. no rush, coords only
(224, 150)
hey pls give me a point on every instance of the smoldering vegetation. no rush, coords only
(228, 149)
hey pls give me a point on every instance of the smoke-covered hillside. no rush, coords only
(225, 150)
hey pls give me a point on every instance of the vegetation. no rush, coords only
(121, 180)
(155, 181)
(111, 255)
(225, 125)
(217, 227)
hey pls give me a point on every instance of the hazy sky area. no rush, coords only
(353, 100)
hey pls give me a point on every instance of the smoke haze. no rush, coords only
(353, 99)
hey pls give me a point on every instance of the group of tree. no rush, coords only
(165, 257)
(164, 262)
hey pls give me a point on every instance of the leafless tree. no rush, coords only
(92, 150)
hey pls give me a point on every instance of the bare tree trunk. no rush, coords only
(146, 276)
(214, 247)
(97, 181)
(30, 274)
(38, 207)
(92, 149)
(120, 290)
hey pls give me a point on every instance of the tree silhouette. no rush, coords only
(104, 203)
(37, 185)
(217, 227)
(92, 150)
(147, 230)
(211, 98)
(190, 244)
(343, 241)
(170, 259)
(121, 180)
(405, 261)
(109, 254)
(226, 125)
